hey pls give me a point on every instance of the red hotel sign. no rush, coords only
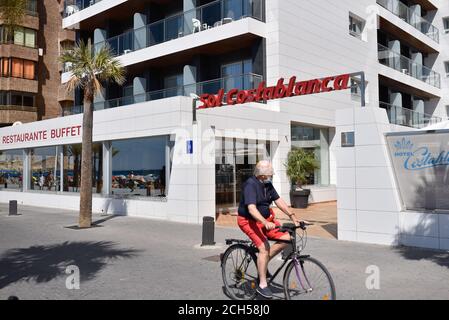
(281, 90)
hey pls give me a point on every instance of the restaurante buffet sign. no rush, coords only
(41, 135)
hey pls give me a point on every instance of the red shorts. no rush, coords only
(257, 232)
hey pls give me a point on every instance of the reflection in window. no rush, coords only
(11, 169)
(44, 169)
(72, 167)
(315, 140)
(139, 167)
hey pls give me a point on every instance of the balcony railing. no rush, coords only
(243, 82)
(407, 117)
(202, 18)
(73, 6)
(405, 13)
(405, 65)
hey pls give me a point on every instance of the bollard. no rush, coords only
(208, 231)
(13, 207)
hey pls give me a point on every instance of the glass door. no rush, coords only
(235, 162)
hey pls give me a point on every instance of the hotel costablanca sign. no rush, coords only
(421, 164)
(281, 90)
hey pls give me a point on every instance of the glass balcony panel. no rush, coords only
(405, 13)
(241, 82)
(405, 65)
(407, 117)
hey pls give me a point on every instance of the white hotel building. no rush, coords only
(185, 170)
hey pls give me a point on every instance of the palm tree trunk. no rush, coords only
(85, 219)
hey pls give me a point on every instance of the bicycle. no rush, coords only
(240, 274)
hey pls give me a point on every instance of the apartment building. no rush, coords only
(158, 156)
(30, 75)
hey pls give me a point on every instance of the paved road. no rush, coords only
(131, 258)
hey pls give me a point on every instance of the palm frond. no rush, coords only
(90, 68)
(12, 13)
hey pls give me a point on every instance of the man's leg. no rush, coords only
(262, 263)
(279, 246)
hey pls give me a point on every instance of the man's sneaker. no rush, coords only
(265, 292)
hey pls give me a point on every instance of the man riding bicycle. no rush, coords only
(257, 220)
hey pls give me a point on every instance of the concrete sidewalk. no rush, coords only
(131, 258)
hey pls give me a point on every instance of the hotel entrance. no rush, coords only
(234, 164)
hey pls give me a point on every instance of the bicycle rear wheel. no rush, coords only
(239, 271)
(308, 279)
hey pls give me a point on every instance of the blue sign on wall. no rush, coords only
(189, 146)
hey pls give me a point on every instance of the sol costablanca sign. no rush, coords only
(281, 90)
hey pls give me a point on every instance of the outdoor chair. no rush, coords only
(196, 25)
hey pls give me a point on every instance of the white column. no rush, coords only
(396, 112)
(190, 78)
(418, 115)
(140, 32)
(139, 89)
(417, 69)
(415, 17)
(61, 155)
(189, 14)
(107, 168)
(395, 61)
(26, 176)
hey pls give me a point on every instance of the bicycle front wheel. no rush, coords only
(308, 279)
(239, 271)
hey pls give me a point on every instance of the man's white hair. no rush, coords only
(264, 168)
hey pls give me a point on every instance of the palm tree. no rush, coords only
(12, 13)
(89, 70)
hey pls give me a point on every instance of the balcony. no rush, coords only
(407, 117)
(243, 82)
(405, 65)
(73, 6)
(202, 18)
(400, 10)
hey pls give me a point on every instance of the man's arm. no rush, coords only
(258, 216)
(281, 204)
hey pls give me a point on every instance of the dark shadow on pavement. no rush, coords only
(45, 263)
(106, 218)
(441, 258)
(332, 229)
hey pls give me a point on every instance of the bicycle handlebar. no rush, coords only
(292, 227)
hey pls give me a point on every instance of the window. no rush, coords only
(30, 38)
(356, 26)
(5, 67)
(21, 36)
(11, 169)
(18, 68)
(44, 169)
(72, 167)
(446, 24)
(315, 140)
(140, 167)
(29, 69)
(234, 75)
(12, 98)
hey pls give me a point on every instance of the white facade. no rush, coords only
(306, 39)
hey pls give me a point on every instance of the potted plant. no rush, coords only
(301, 164)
